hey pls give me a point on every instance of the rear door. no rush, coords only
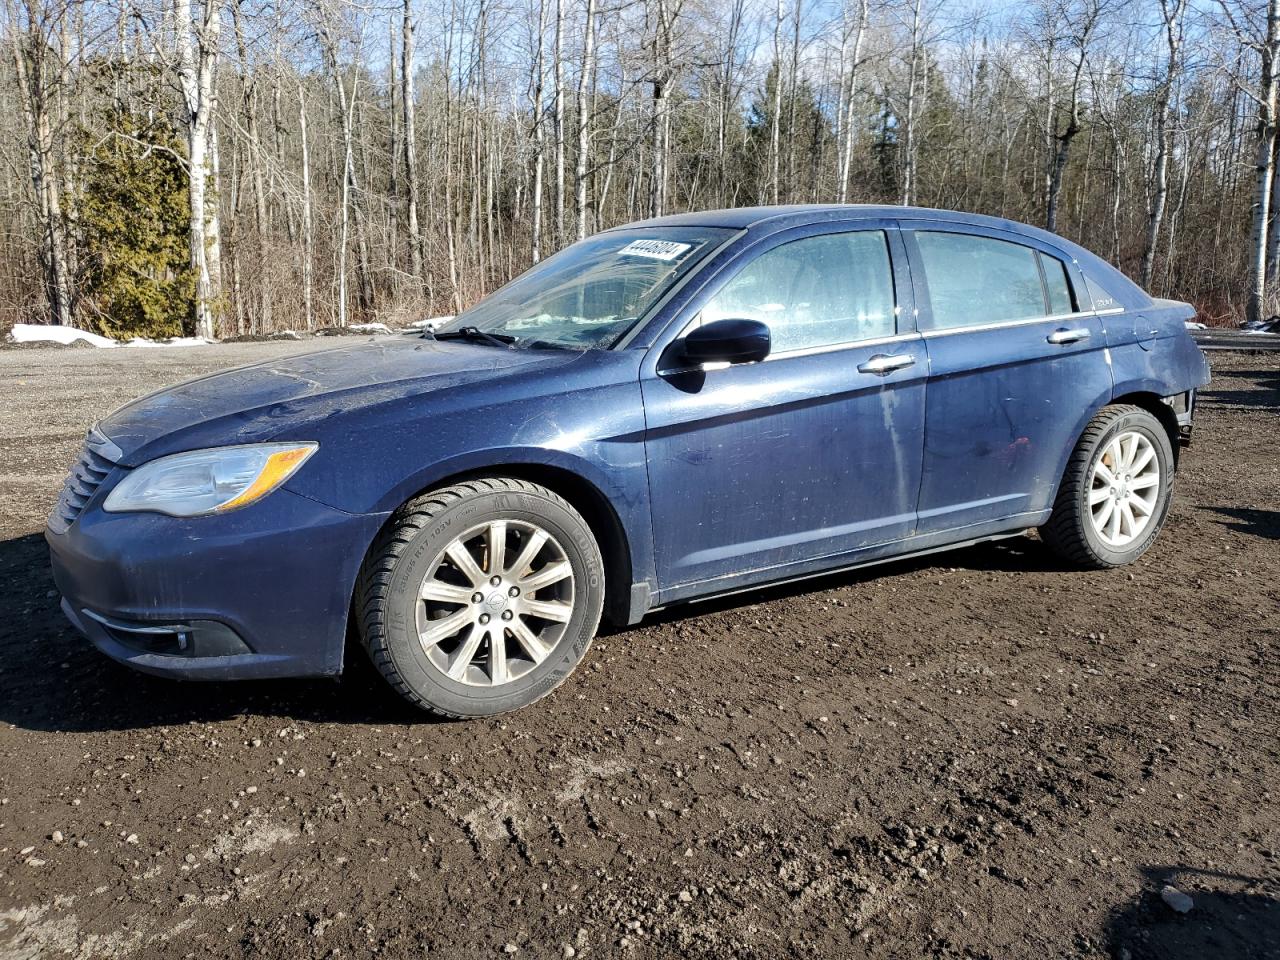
(1016, 356)
(814, 453)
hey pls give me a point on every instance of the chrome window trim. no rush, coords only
(802, 352)
(843, 345)
(1005, 324)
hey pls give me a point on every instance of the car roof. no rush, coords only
(762, 221)
(769, 219)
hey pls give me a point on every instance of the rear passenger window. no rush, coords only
(814, 292)
(1057, 286)
(977, 280)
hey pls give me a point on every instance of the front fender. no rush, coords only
(595, 432)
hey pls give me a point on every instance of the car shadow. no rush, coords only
(1259, 523)
(52, 679)
(1262, 394)
(1230, 919)
(1009, 555)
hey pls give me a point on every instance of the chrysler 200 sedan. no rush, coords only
(687, 406)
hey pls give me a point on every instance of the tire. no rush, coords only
(516, 639)
(1074, 530)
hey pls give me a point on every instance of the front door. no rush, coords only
(788, 464)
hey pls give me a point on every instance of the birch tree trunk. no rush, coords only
(539, 139)
(1266, 166)
(661, 120)
(586, 81)
(346, 107)
(909, 129)
(557, 66)
(848, 92)
(39, 100)
(308, 238)
(410, 134)
(775, 111)
(249, 107)
(793, 92)
(199, 48)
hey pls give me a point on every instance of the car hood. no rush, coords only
(254, 403)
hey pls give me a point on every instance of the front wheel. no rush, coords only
(1115, 493)
(481, 597)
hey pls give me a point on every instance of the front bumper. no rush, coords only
(261, 592)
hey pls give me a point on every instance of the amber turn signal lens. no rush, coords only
(276, 471)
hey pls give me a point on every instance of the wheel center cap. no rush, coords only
(495, 602)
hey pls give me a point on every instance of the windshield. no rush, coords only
(593, 292)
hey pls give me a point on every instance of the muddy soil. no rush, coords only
(984, 754)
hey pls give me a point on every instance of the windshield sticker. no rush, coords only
(654, 249)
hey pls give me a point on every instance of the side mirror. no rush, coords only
(728, 341)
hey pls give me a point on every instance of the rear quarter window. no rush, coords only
(1102, 299)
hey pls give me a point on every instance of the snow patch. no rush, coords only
(369, 328)
(431, 323)
(47, 333)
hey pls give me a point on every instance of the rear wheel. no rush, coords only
(1115, 493)
(481, 597)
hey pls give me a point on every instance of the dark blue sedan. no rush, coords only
(682, 407)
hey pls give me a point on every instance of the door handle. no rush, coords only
(1068, 336)
(883, 363)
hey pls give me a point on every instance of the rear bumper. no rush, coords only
(1183, 406)
(262, 592)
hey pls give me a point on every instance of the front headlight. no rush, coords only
(208, 481)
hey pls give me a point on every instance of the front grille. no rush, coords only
(98, 458)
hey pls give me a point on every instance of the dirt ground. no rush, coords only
(981, 755)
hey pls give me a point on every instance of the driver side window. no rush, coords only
(814, 292)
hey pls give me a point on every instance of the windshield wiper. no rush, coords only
(476, 335)
(550, 345)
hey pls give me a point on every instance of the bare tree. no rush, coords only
(910, 146)
(586, 80)
(410, 133)
(1173, 14)
(41, 93)
(537, 79)
(557, 113)
(199, 50)
(850, 59)
(1264, 95)
(1081, 22)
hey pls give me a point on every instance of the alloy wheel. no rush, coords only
(495, 603)
(1124, 489)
